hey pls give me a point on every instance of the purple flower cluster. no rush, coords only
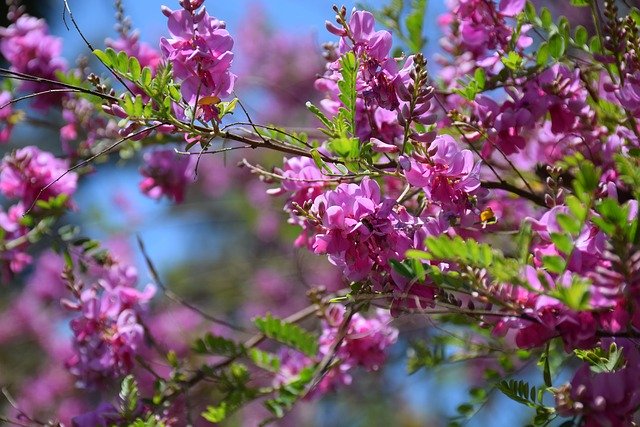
(27, 171)
(364, 345)
(30, 49)
(378, 75)
(449, 176)
(358, 229)
(365, 341)
(199, 51)
(608, 398)
(166, 173)
(107, 331)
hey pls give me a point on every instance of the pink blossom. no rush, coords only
(200, 52)
(357, 229)
(27, 171)
(167, 173)
(449, 176)
(28, 47)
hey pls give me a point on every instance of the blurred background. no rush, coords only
(227, 247)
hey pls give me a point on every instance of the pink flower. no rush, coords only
(605, 398)
(166, 173)
(358, 229)
(7, 117)
(27, 171)
(29, 48)
(107, 329)
(200, 52)
(449, 176)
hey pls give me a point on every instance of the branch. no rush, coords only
(173, 296)
(538, 200)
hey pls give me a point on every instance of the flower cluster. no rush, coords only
(166, 173)
(30, 173)
(30, 49)
(358, 229)
(108, 333)
(199, 51)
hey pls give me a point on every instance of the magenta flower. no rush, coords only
(366, 339)
(28, 47)
(167, 173)
(200, 52)
(449, 176)
(14, 260)
(27, 171)
(373, 44)
(605, 398)
(107, 330)
(7, 117)
(358, 229)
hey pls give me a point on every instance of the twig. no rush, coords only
(87, 161)
(67, 9)
(515, 190)
(174, 297)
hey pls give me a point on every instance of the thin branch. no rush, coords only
(26, 77)
(66, 10)
(538, 200)
(174, 297)
(87, 161)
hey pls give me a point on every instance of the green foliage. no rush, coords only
(129, 397)
(265, 360)
(557, 45)
(234, 384)
(289, 393)
(213, 344)
(575, 296)
(288, 333)
(420, 356)
(473, 87)
(602, 360)
(347, 86)
(522, 392)
(512, 61)
(468, 252)
(580, 3)
(415, 25)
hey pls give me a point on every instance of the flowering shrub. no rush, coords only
(497, 196)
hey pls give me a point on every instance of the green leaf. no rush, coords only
(320, 115)
(480, 77)
(581, 36)
(103, 57)
(568, 223)
(134, 68)
(146, 77)
(122, 63)
(513, 61)
(415, 25)
(288, 334)
(347, 148)
(265, 360)
(554, 263)
(543, 54)
(290, 393)
(214, 344)
(580, 3)
(562, 242)
(556, 45)
(594, 45)
(128, 396)
(347, 86)
(215, 414)
(402, 268)
(546, 18)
